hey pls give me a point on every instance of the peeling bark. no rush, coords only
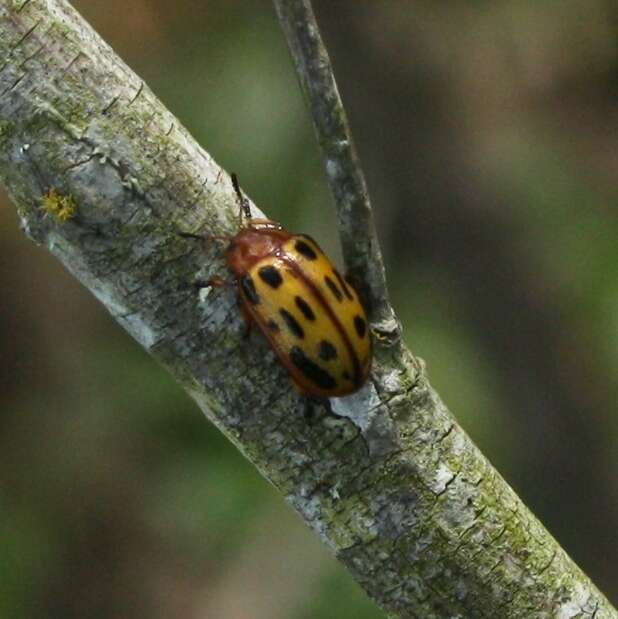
(388, 480)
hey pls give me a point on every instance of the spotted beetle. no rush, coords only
(311, 316)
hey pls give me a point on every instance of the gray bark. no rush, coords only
(390, 483)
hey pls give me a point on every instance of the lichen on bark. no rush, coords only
(387, 479)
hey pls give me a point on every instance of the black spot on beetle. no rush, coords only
(248, 287)
(273, 326)
(270, 275)
(343, 285)
(360, 325)
(346, 375)
(327, 352)
(292, 323)
(304, 249)
(311, 370)
(304, 307)
(333, 288)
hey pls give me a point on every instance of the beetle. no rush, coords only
(311, 316)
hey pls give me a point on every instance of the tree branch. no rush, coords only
(106, 178)
(360, 246)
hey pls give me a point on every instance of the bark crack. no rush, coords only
(25, 35)
(23, 6)
(110, 105)
(137, 94)
(13, 86)
(32, 56)
(72, 62)
(545, 567)
(77, 164)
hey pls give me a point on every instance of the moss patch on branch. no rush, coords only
(61, 208)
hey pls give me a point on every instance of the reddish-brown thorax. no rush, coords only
(260, 238)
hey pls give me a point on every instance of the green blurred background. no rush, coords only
(488, 135)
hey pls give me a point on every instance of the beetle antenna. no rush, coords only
(242, 201)
(190, 235)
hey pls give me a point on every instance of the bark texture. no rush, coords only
(390, 482)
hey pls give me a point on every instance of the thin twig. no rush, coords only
(360, 246)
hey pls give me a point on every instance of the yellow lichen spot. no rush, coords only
(62, 208)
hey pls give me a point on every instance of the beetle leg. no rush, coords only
(312, 404)
(248, 322)
(218, 282)
(190, 235)
(214, 282)
(309, 410)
